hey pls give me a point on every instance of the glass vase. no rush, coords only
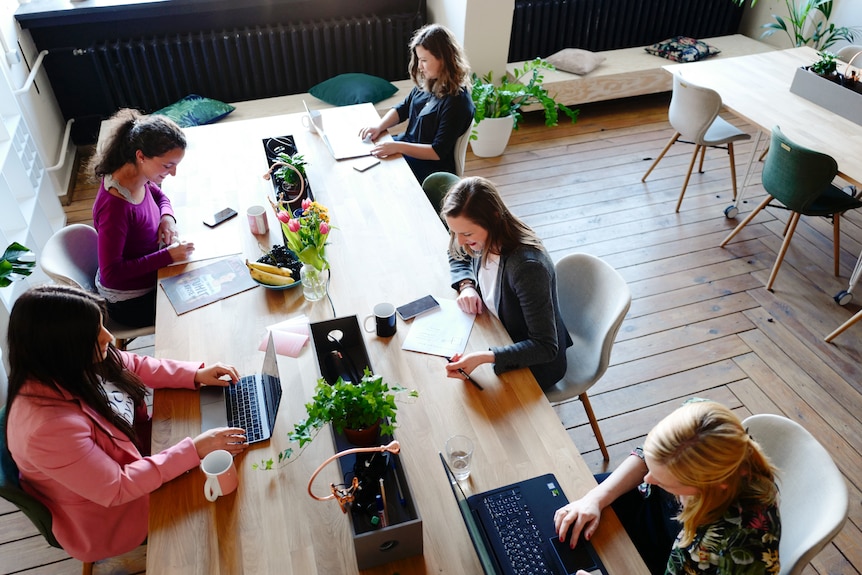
(313, 282)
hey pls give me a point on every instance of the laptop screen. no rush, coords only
(473, 528)
(271, 382)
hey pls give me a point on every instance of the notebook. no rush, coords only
(251, 404)
(512, 529)
(341, 134)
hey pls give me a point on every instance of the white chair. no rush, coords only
(693, 113)
(814, 500)
(70, 257)
(594, 299)
(461, 151)
(847, 53)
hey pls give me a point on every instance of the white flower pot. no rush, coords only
(492, 136)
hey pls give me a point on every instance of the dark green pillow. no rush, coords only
(347, 89)
(194, 110)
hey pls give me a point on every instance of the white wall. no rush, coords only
(844, 13)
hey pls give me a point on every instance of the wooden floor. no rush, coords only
(701, 323)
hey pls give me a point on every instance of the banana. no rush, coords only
(268, 278)
(269, 269)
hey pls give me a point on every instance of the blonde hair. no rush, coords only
(704, 445)
(455, 70)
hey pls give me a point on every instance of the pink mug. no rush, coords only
(257, 220)
(221, 474)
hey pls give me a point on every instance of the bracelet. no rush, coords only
(465, 282)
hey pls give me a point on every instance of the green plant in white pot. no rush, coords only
(498, 106)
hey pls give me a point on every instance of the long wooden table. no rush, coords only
(388, 245)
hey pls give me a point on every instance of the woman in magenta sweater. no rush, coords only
(134, 219)
(77, 425)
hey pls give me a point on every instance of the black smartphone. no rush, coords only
(219, 217)
(416, 307)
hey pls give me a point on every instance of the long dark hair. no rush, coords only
(479, 201)
(133, 131)
(455, 72)
(53, 339)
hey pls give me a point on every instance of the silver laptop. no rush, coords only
(341, 133)
(252, 403)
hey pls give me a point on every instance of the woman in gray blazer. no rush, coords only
(499, 265)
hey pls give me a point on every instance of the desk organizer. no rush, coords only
(838, 99)
(274, 146)
(402, 536)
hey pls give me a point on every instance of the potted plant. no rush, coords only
(18, 261)
(498, 106)
(823, 84)
(811, 17)
(368, 405)
(289, 178)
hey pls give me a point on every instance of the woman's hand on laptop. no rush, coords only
(370, 133)
(228, 438)
(218, 373)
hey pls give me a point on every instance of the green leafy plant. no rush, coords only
(345, 405)
(826, 65)
(808, 17)
(18, 261)
(510, 95)
(288, 176)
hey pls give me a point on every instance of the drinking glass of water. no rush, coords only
(459, 454)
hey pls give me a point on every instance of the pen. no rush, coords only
(467, 376)
(401, 498)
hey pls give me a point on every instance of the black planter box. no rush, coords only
(374, 543)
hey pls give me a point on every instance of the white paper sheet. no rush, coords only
(443, 331)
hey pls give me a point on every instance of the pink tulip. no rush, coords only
(293, 225)
(283, 216)
(324, 228)
(305, 203)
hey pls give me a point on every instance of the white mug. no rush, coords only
(221, 474)
(308, 123)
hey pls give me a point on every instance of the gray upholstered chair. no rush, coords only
(70, 257)
(436, 185)
(594, 299)
(814, 500)
(693, 113)
(10, 490)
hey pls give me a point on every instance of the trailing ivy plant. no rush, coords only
(808, 17)
(510, 95)
(345, 405)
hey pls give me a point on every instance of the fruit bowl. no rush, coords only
(277, 288)
(275, 269)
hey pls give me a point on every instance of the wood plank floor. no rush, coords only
(701, 322)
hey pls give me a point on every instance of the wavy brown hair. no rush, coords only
(704, 445)
(455, 71)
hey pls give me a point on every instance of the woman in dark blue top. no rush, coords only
(438, 110)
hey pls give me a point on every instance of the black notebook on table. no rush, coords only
(512, 529)
(252, 403)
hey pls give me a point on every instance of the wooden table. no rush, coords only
(388, 245)
(757, 88)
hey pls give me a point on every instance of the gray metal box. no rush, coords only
(836, 98)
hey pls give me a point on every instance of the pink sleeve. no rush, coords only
(158, 373)
(162, 200)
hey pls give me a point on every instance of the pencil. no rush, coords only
(401, 498)
(383, 498)
(467, 376)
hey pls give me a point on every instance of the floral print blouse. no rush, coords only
(743, 542)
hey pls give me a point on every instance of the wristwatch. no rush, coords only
(464, 283)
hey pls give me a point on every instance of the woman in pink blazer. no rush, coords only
(78, 427)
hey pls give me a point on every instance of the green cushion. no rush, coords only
(347, 89)
(194, 110)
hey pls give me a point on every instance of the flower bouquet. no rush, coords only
(305, 235)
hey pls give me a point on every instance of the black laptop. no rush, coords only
(512, 529)
(251, 404)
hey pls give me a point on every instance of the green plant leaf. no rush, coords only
(17, 261)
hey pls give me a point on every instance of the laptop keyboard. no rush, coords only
(518, 532)
(242, 408)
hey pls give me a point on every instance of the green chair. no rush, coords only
(801, 179)
(10, 489)
(436, 185)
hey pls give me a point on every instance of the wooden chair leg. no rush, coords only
(697, 148)
(87, 569)
(702, 156)
(844, 327)
(744, 222)
(594, 424)
(836, 241)
(732, 168)
(791, 228)
(763, 154)
(670, 143)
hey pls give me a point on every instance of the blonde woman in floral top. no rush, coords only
(713, 484)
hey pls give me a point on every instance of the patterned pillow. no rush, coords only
(194, 110)
(682, 49)
(353, 88)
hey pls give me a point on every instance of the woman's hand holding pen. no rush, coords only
(181, 251)
(462, 365)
